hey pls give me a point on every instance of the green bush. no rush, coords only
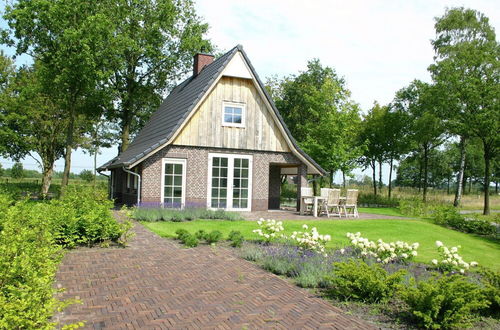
(181, 233)
(82, 216)
(28, 263)
(213, 237)
(277, 265)
(491, 290)
(190, 241)
(311, 276)
(377, 200)
(449, 216)
(444, 302)
(201, 234)
(359, 281)
(187, 214)
(236, 238)
(251, 252)
(413, 207)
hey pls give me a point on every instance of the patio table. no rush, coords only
(316, 199)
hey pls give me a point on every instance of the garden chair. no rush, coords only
(332, 203)
(306, 204)
(351, 202)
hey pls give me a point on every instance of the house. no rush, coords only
(216, 141)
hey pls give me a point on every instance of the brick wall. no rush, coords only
(197, 172)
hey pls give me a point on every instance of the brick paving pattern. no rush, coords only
(156, 284)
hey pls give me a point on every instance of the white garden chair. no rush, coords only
(305, 203)
(351, 202)
(331, 203)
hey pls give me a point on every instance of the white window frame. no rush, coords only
(234, 105)
(230, 177)
(181, 161)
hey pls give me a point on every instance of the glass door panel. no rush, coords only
(173, 185)
(240, 183)
(219, 182)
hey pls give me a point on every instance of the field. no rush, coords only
(474, 248)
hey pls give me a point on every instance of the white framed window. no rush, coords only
(229, 182)
(233, 114)
(173, 182)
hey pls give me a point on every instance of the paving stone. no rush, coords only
(156, 284)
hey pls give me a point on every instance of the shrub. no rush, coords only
(444, 302)
(278, 265)
(82, 216)
(491, 290)
(450, 217)
(377, 200)
(201, 234)
(86, 175)
(451, 260)
(413, 207)
(359, 281)
(28, 263)
(384, 252)
(187, 214)
(189, 240)
(309, 275)
(251, 252)
(213, 237)
(311, 241)
(181, 233)
(269, 229)
(236, 238)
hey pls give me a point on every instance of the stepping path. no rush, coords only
(156, 284)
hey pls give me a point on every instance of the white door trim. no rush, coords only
(181, 161)
(230, 177)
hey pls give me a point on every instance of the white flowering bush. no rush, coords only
(451, 260)
(384, 252)
(311, 240)
(269, 229)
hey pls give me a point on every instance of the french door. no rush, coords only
(173, 193)
(229, 182)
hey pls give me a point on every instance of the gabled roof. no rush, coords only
(176, 108)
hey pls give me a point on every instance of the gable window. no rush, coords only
(233, 114)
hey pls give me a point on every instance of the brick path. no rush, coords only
(154, 283)
(293, 215)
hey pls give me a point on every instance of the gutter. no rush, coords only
(138, 184)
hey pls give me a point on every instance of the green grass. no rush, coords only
(474, 248)
(392, 211)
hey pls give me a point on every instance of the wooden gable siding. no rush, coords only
(205, 126)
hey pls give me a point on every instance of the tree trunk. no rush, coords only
(95, 166)
(419, 175)
(69, 148)
(470, 184)
(343, 179)
(448, 186)
(426, 163)
(487, 157)
(390, 178)
(496, 187)
(460, 176)
(380, 176)
(331, 178)
(315, 185)
(48, 168)
(374, 176)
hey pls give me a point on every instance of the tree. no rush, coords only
(17, 171)
(153, 47)
(320, 114)
(371, 135)
(71, 40)
(426, 129)
(466, 72)
(35, 121)
(2, 171)
(87, 175)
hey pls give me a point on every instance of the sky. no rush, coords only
(378, 46)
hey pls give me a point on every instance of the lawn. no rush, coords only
(392, 211)
(474, 248)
